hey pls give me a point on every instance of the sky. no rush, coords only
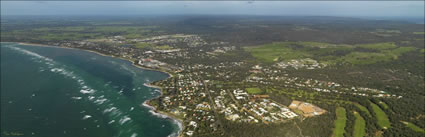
(284, 8)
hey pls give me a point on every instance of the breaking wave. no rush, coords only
(117, 117)
(90, 93)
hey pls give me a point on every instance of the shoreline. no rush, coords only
(153, 109)
(102, 54)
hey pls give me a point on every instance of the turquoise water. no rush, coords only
(56, 92)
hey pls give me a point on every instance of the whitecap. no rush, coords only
(88, 91)
(86, 117)
(124, 119)
(109, 109)
(100, 101)
(76, 98)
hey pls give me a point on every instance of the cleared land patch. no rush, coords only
(341, 120)
(359, 126)
(383, 120)
(254, 90)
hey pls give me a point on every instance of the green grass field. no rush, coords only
(413, 127)
(163, 47)
(419, 33)
(362, 108)
(271, 52)
(359, 126)
(378, 46)
(253, 90)
(328, 53)
(83, 32)
(385, 106)
(340, 122)
(98, 29)
(142, 45)
(383, 54)
(383, 120)
(364, 58)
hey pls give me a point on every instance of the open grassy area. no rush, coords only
(74, 33)
(362, 108)
(98, 29)
(395, 53)
(271, 52)
(385, 106)
(253, 90)
(413, 127)
(419, 33)
(359, 126)
(296, 93)
(364, 58)
(279, 51)
(142, 45)
(328, 53)
(378, 46)
(340, 122)
(383, 120)
(163, 47)
(373, 57)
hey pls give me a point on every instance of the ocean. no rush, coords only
(58, 92)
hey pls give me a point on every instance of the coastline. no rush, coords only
(146, 104)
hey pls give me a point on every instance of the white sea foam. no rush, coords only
(134, 135)
(100, 101)
(158, 114)
(127, 69)
(124, 120)
(179, 123)
(76, 98)
(87, 91)
(86, 117)
(109, 109)
(121, 91)
(56, 68)
(32, 54)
